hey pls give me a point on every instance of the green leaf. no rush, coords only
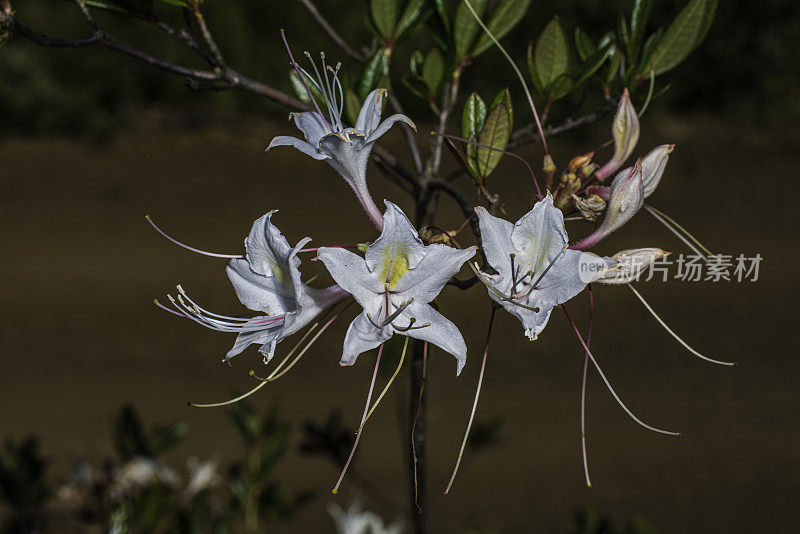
(537, 83)
(639, 16)
(443, 9)
(613, 67)
(679, 39)
(496, 132)
(584, 45)
(560, 87)
(552, 53)
(410, 15)
(416, 86)
(648, 49)
(622, 31)
(352, 105)
(433, 70)
(708, 18)
(504, 97)
(605, 40)
(465, 27)
(384, 15)
(415, 62)
(374, 70)
(502, 20)
(300, 90)
(592, 65)
(473, 116)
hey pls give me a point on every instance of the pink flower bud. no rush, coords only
(625, 132)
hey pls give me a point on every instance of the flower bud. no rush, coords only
(625, 132)
(579, 161)
(627, 197)
(628, 265)
(549, 166)
(653, 165)
(590, 207)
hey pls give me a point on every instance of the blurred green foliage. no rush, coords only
(746, 69)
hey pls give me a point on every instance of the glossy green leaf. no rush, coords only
(613, 67)
(679, 39)
(433, 70)
(708, 18)
(465, 27)
(584, 45)
(473, 116)
(560, 87)
(415, 62)
(639, 17)
(410, 16)
(504, 97)
(300, 90)
(537, 83)
(622, 31)
(648, 49)
(443, 10)
(552, 53)
(384, 15)
(592, 65)
(374, 70)
(502, 20)
(496, 132)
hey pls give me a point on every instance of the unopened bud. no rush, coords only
(588, 169)
(627, 197)
(625, 132)
(568, 186)
(590, 207)
(628, 265)
(653, 165)
(549, 166)
(580, 161)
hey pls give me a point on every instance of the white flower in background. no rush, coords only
(356, 520)
(394, 282)
(346, 149)
(266, 280)
(535, 269)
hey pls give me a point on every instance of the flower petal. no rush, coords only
(398, 248)
(267, 249)
(426, 280)
(266, 337)
(348, 154)
(496, 241)
(533, 322)
(259, 292)
(388, 123)
(351, 273)
(299, 144)
(539, 236)
(441, 331)
(362, 336)
(370, 115)
(313, 126)
(563, 281)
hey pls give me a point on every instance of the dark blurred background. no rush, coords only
(91, 141)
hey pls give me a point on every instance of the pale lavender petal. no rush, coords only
(348, 154)
(496, 240)
(441, 331)
(388, 123)
(539, 236)
(267, 249)
(427, 279)
(398, 248)
(370, 115)
(299, 144)
(263, 337)
(259, 292)
(351, 273)
(362, 336)
(313, 126)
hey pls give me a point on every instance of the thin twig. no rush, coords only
(408, 133)
(330, 31)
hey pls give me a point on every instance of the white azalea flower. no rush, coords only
(346, 149)
(356, 520)
(266, 280)
(395, 282)
(535, 269)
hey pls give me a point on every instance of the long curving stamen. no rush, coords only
(549, 266)
(474, 403)
(410, 326)
(389, 383)
(673, 334)
(405, 304)
(212, 314)
(224, 326)
(506, 152)
(497, 292)
(305, 349)
(187, 247)
(661, 216)
(173, 312)
(608, 384)
(516, 70)
(303, 80)
(583, 391)
(335, 489)
(321, 86)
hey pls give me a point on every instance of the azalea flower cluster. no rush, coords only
(530, 268)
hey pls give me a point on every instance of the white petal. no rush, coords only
(426, 280)
(266, 336)
(313, 126)
(370, 115)
(351, 273)
(299, 144)
(259, 292)
(267, 249)
(397, 250)
(563, 280)
(441, 331)
(496, 241)
(539, 236)
(362, 336)
(533, 322)
(388, 123)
